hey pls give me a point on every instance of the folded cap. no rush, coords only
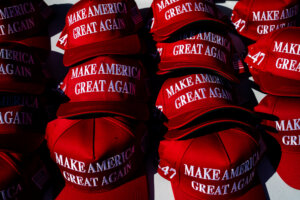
(24, 21)
(184, 99)
(274, 62)
(170, 16)
(100, 27)
(22, 177)
(219, 165)
(20, 69)
(287, 135)
(206, 48)
(106, 85)
(255, 18)
(99, 158)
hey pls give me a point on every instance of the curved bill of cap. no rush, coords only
(137, 111)
(231, 111)
(127, 45)
(165, 68)
(180, 133)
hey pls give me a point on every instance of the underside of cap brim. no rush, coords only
(185, 118)
(164, 33)
(204, 127)
(138, 111)
(127, 45)
(168, 67)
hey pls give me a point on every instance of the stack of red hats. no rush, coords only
(23, 37)
(254, 18)
(97, 140)
(210, 149)
(274, 62)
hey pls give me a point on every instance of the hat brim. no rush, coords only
(167, 67)
(127, 45)
(288, 169)
(134, 190)
(234, 112)
(138, 111)
(255, 192)
(287, 87)
(164, 33)
(21, 141)
(180, 133)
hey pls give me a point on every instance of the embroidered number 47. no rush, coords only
(168, 171)
(260, 56)
(240, 25)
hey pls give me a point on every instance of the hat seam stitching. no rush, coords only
(64, 133)
(224, 149)
(180, 162)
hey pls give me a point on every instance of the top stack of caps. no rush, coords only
(101, 124)
(206, 129)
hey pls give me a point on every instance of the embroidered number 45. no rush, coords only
(260, 56)
(168, 171)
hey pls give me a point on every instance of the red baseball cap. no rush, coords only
(205, 48)
(20, 69)
(287, 134)
(99, 158)
(24, 21)
(22, 177)
(274, 62)
(100, 27)
(255, 18)
(106, 84)
(184, 99)
(219, 165)
(170, 16)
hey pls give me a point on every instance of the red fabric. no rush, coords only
(22, 20)
(217, 166)
(199, 127)
(100, 27)
(20, 129)
(255, 18)
(286, 132)
(184, 99)
(200, 49)
(22, 177)
(274, 62)
(170, 16)
(106, 85)
(20, 70)
(107, 154)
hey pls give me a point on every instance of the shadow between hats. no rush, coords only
(270, 161)
(57, 21)
(273, 151)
